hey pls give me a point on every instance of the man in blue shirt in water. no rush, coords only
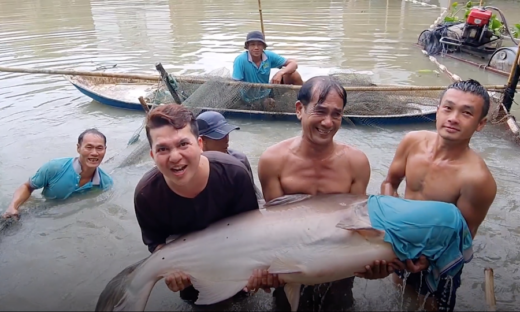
(61, 178)
(255, 64)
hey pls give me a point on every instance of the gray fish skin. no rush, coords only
(305, 239)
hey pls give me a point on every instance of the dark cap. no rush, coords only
(255, 36)
(213, 125)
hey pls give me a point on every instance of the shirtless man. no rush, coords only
(310, 164)
(441, 166)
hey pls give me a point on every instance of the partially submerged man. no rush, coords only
(214, 131)
(188, 189)
(441, 166)
(61, 178)
(314, 163)
(255, 64)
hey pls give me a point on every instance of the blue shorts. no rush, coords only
(446, 293)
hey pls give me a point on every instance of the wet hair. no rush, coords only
(474, 87)
(173, 115)
(324, 85)
(91, 131)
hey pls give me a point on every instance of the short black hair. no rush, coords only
(92, 131)
(324, 85)
(172, 114)
(474, 87)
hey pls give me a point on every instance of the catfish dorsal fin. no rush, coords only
(287, 199)
(365, 231)
(284, 266)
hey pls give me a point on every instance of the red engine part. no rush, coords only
(479, 17)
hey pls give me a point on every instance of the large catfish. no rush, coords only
(304, 239)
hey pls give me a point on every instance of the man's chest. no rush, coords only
(429, 180)
(66, 184)
(182, 214)
(312, 178)
(258, 70)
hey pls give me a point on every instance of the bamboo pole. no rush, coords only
(79, 73)
(489, 287)
(196, 80)
(261, 17)
(513, 68)
(143, 104)
(146, 109)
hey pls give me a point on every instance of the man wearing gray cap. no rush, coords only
(254, 65)
(214, 131)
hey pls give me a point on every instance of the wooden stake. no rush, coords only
(513, 68)
(261, 18)
(489, 287)
(144, 105)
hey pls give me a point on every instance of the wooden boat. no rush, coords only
(124, 93)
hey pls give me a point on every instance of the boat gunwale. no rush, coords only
(78, 84)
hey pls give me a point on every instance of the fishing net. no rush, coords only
(501, 125)
(217, 91)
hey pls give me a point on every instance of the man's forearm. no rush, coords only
(21, 195)
(388, 189)
(290, 68)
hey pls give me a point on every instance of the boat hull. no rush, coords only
(124, 93)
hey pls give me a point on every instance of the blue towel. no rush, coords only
(434, 229)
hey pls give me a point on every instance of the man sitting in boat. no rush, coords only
(214, 131)
(255, 64)
(61, 178)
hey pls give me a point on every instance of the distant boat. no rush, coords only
(124, 93)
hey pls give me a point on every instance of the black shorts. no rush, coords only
(190, 294)
(335, 296)
(446, 293)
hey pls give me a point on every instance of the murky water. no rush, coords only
(61, 256)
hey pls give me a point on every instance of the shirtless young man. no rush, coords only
(310, 164)
(441, 166)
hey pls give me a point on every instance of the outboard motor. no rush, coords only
(476, 30)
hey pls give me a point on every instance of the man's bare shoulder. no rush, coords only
(478, 170)
(278, 150)
(418, 136)
(415, 141)
(353, 154)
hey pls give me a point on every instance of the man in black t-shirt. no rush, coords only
(188, 189)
